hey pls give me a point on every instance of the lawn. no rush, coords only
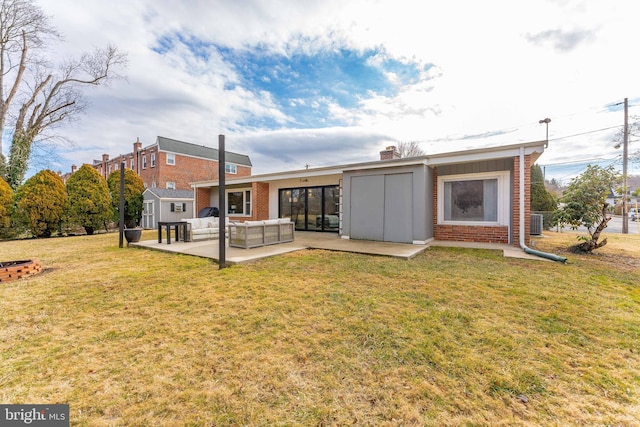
(451, 337)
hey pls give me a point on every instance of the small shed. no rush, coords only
(166, 205)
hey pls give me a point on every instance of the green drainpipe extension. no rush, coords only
(524, 247)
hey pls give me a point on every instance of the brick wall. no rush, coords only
(186, 169)
(203, 199)
(260, 192)
(466, 233)
(516, 200)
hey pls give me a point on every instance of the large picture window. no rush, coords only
(239, 202)
(474, 198)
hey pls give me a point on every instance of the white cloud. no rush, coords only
(499, 65)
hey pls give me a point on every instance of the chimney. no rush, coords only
(137, 146)
(389, 153)
(105, 157)
(73, 168)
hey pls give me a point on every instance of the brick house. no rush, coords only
(480, 195)
(173, 164)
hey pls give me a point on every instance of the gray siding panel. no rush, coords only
(398, 208)
(476, 167)
(367, 207)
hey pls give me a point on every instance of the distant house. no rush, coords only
(161, 204)
(173, 164)
(480, 195)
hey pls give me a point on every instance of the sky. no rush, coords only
(327, 82)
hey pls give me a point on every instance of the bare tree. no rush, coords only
(410, 149)
(40, 97)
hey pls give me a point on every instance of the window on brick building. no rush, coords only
(171, 158)
(171, 185)
(132, 163)
(144, 162)
(239, 202)
(476, 199)
(230, 168)
(153, 160)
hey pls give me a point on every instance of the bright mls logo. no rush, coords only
(34, 415)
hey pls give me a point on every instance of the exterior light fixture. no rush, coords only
(546, 121)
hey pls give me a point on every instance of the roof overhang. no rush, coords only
(534, 149)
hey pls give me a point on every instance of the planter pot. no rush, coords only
(132, 235)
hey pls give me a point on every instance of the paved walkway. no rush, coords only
(313, 240)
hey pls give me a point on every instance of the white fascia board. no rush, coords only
(489, 153)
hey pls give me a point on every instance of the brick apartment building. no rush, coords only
(173, 164)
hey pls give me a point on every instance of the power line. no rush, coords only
(601, 159)
(584, 133)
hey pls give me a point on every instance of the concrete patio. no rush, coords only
(313, 240)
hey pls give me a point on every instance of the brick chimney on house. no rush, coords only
(137, 146)
(389, 153)
(74, 168)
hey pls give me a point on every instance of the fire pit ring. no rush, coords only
(13, 270)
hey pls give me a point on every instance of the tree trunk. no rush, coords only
(591, 245)
(18, 159)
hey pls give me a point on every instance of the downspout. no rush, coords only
(524, 247)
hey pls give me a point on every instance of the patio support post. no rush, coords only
(222, 205)
(121, 228)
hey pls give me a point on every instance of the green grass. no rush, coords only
(452, 337)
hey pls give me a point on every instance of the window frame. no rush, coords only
(231, 168)
(170, 185)
(144, 162)
(153, 160)
(503, 197)
(171, 159)
(245, 204)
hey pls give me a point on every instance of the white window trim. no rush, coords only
(232, 168)
(144, 162)
(244, 201)
(171, 185)
(153, 160)
(171, 156)
(504, 199)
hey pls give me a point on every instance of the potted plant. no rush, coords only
(133, 202)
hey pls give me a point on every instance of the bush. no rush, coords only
(41, 203)
(89, 199)
(6, 207)
(133, 199)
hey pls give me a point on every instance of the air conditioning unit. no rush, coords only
(536, 225)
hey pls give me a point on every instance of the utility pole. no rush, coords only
(625, 153)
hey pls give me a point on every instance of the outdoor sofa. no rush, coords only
(251, 234)
(204, 228)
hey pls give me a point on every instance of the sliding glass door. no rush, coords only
(311, 208)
